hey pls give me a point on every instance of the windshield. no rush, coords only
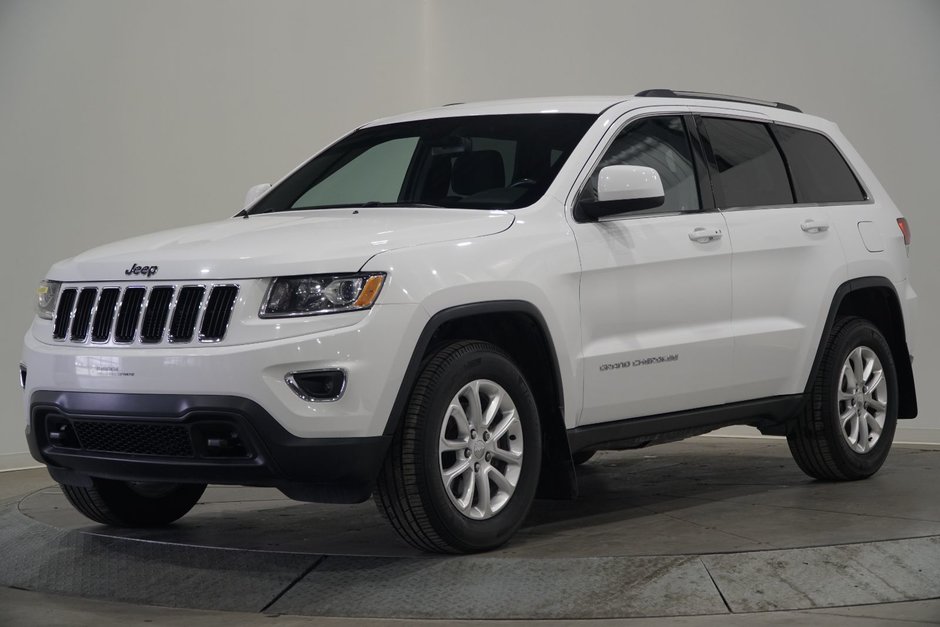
(472, 162)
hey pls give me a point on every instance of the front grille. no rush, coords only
(134, 438)
(150, 315)
(129, 314)
(204, 436)
(104, 314)
(218, 312)
(187, 311)
(86, 298)
(63, 317)
(157, 311)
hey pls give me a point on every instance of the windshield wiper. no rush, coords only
(377, 203)
(351, 205)
(364, 205)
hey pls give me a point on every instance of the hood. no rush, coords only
(277, 244)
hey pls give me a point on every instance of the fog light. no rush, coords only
(317, 385)
(23, 376)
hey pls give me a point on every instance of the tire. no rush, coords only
(126, 504)
(582, 457)
(447, 513)
(823, 445)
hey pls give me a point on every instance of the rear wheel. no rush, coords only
(134, 504)
(462, 470)
(846, 429)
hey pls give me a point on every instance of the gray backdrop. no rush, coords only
(122, 117)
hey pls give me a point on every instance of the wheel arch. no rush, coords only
(875, 299)
(519, 328)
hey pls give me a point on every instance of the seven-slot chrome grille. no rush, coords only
(146, 315)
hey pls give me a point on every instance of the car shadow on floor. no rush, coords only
(699, 496)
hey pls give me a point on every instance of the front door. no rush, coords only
(655, 286)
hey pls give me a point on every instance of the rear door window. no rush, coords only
(751, 171)
(820, 173)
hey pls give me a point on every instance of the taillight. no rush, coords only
(905, 230)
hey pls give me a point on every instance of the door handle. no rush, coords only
(702, 235)
(814, 226)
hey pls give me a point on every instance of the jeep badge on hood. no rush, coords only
(148, 271)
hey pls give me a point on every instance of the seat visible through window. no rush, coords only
(478, 171)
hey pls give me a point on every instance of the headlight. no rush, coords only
(320, 294)
(46, 295)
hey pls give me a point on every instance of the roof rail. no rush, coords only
(670, 93)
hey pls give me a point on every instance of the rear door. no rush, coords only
(655, 285)
(787, 261)
(867, 229)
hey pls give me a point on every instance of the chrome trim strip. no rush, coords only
(117, 310)
(295, 388)
(165, 336)
(68, 328)
(139, 323)
(201, 313)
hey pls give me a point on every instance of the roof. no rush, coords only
(564, 104)
(595, 105)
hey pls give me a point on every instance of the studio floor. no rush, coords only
(710, 531)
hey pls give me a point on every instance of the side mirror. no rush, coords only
(256, 192)
(624, 188)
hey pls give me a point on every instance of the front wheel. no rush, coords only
(846, 429)
(463, 468)
(134, 504)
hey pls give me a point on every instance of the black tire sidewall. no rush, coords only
(852, 464)
(456, 529)
(134, 509)
(582, 457)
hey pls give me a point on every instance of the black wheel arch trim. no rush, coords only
(897, 340)
(465, 311)
(558, 478)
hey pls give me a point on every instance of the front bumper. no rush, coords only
(169, 437)
(372, 347)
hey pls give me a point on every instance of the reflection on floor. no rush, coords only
(704, 527)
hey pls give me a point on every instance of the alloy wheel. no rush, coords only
(862, 399)
(480, 449)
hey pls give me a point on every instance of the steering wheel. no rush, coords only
(523, 183)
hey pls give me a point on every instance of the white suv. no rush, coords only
(451, 309)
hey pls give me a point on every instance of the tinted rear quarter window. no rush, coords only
(751, 171)
(820, 173)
